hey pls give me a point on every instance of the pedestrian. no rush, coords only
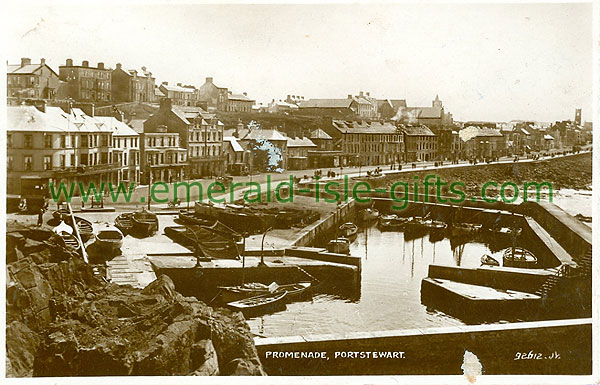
(40, 220)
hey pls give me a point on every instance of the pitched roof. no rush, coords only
(319, 134)
(119, 128)
(137, 125)
(417, 131)
(177, 88)
(27, 69)
(300, 142)
(240, 97)
(326, 103)
(397, 103)
(354, 127)
(471, 132)
(54, 119)
(361, 100)
(263, 134)
(424, 112)
(233, 141)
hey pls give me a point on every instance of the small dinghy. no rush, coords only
(109, 238)
(368, 215)
(144, 223)
(465, 228)
(252, 289)
(348, 229)
(86, 230)
(124, 223)
(489, 260)
(518, 257)
(66, 233)
(259, 304)
(339, 246)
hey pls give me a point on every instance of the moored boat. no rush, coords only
(368, 215)
(252, 289)
(348, 229)
(339, 245)
(465, 228)
(259, 304)
(86, 230)
(518, 257)
(489, 260)
(144, 223)
(109, 238)
(124, 223)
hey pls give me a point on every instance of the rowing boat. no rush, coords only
(252, 289)
(259, 304)
(518, 257)
(109, 238)
(144, 223)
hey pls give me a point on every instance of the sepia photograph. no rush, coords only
(343, 192)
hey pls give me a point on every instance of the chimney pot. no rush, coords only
(85, 63)
(25, 61)
(288, 97)
(368, 94)
(42, 61)
(69, 62)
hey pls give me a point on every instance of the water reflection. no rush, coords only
(393, 265)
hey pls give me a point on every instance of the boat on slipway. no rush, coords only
(339, 245)
(144, 223)
(109, 238)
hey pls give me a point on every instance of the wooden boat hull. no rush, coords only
(123, 222)
(109, 239)
(339, 247)
(236, 293)
(260, 304)
(144, 223)
(521, 258)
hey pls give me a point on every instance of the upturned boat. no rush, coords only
(109, 238)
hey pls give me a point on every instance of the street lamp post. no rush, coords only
(262, 248)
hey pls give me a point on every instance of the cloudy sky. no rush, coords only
(486, 61)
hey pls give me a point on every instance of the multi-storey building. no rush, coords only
(86, 84)
(433, 117)
(324, 154)
(297, 153)
(214, 97)
(132, 85)
(201, 133)
(180, 95)
(421, 143)
(48, 142)
(126, 149)
(482, 142)
(366, 144)
(30, 81)
(239, 103)
(163, 160)
(367, 106)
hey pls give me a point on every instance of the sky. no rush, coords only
(495, 62)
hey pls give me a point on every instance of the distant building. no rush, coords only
(126, 149)
(294, 99)
(324, 154)
(367, 106)
(366, 144)
(201, 133)
(420, 142)
(234, 155)
(215, 97)
(578, 116)
(335, 108)
(297, 153)
(432, 117)
(86, 84)
(272, 145)
(132, 85)
(30, 81)
(279, 107)
(180, 95)
(48, 142)
(163, 159)
(239, 103)
(482, 143)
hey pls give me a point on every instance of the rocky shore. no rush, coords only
(573, 172)
(63, 320)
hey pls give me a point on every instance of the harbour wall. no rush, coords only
(440, 351)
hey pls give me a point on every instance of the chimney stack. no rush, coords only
(179, 84)
(245, 94)
(368, 94)
(101, 65)
(118, 66)
(349, 96)
(69, 62)
(165, 104)
(25, 61)
(165, 83)
(360, 94)
(42, 61)
(85, 63)
(209, 80)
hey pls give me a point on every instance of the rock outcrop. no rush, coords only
(62, 320)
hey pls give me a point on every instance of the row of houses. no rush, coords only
(86, 83)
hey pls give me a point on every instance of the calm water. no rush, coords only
(390, 289)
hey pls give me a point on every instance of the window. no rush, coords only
(84, 141)
(28, 162)
(73, 162)
(9, 140)
(9, 161)
(47, 162)
(28, 141)
(104, 139)
(63, 141)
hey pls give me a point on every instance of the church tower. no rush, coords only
(437, 102)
